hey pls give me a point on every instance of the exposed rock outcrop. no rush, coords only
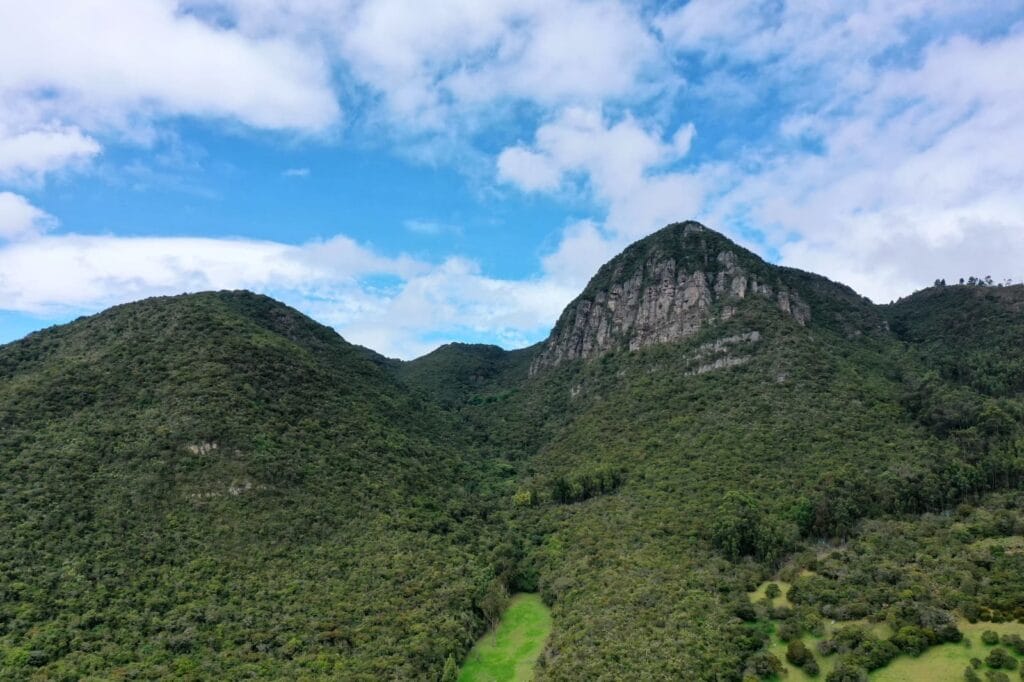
(664, 288)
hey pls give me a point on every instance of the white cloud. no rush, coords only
(616, 159)
(296, 173)
(110, 60)
(333, 280)
(890, 173)
(918, 179)
(75, 73)
(28, 156)
(434, 64)
(20, 219)
(624, 166)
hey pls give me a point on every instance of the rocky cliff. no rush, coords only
(664, 288)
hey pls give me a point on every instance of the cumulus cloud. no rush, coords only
(435, 64)
(623, 164)
(917, 179)
(20, 219)
(27, 157)
(155, 59)
(876, 144)
(898, 166)
(334, 280)
(75, 73)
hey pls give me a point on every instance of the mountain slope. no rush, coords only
(676, 456)
(215, 485)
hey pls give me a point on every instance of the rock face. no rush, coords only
(664, 288)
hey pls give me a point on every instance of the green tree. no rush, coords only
(797, 653)
(451, 670)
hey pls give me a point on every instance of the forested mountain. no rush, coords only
(214, 485)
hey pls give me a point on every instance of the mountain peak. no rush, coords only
(663, 288)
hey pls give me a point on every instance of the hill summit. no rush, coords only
(665, 288)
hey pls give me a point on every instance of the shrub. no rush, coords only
(827, 647)
(797, 653)
(1014, 642)
(772, 591)
(990, 638)
(789, 630)
(911, 640)
(999, 658)
(764, 664)
(847, 672)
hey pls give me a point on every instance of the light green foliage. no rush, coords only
(510, 651)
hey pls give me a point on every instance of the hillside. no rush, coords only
(667, 470)
(216, 486)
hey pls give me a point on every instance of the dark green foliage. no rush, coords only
(742, 529)
(971, 676)
(214, 486)
(1014, 643)
(989, 637)
(789, 630)
(583, 486)
(798, 654)
(847, 672)
(362, 518)
(1000, 658)
(764, 665)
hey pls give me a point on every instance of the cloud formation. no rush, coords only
(335, 280)
(874, 141)
(20, 219)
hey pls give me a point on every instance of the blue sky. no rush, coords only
(418, 172)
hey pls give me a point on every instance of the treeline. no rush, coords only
(584, 485)
(975, 281)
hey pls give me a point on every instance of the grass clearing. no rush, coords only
(508, 652)
(939, 663)
(782, 600)
(948, 661)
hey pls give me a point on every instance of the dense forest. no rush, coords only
(215, 486)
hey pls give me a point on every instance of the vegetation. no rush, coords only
(508, 653)
(214, 486)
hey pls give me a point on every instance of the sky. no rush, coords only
(413, 172)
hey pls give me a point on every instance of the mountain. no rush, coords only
(215, 486)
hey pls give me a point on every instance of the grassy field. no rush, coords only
(782, 600)
(948, 661)
(508, 653)
(938, 664)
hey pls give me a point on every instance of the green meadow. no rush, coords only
(509, 652)
(937, 664)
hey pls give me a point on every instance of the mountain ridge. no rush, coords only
(214, 485)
